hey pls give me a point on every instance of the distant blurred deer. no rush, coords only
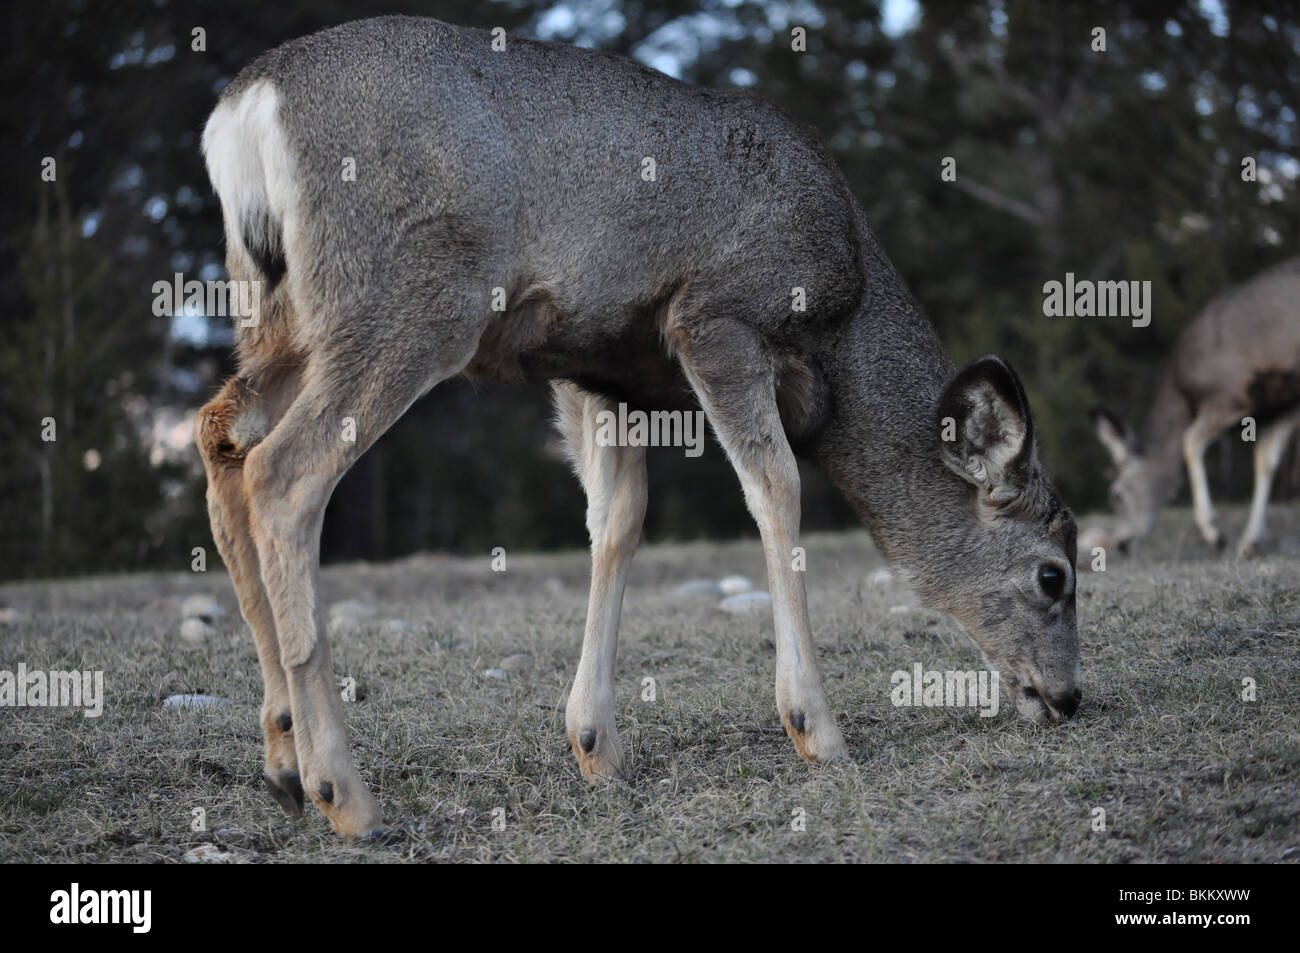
(1240, 358)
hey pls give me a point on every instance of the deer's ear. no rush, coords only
(1113, 434)
(986, 434)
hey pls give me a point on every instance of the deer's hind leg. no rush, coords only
(354, 387)
(614, 479)
(734, 378)
(1211, 420)
(1268, 454)
(225, 430)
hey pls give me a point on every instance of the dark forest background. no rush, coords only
(1117, 165)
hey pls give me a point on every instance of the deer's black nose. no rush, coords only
(1068, 704)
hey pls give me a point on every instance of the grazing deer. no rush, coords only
(648, 239)
(1239, 358)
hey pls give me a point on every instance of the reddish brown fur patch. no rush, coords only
(215, 420)
(593, 765)
(799, 738)
(802, 741)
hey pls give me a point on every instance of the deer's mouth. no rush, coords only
(1036, 705)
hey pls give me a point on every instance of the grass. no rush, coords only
(1184, 769)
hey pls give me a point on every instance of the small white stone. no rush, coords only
(747, 603)
(494, 673)
(194, 701)
(351, 609)
(699, 587)
(735, 585)
(203, 607)
(196, 631)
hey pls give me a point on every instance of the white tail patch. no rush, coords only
(252, 172)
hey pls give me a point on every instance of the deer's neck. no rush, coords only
(886, 370)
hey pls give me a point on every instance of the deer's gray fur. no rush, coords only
(523, 170)
(1239, 358)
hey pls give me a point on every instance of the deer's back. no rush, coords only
(1247, 341)
(562, 174)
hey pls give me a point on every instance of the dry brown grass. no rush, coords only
(1185, 770)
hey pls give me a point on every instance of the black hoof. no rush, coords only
(287, 791)
(587, 738)
(1220, 542)
(796, 720)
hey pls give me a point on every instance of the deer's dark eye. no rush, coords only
(1051, 580)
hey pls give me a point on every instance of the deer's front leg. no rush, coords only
(1207, 425)
(771, 487)
(738, 393)
(614, 479)
(1268, 454)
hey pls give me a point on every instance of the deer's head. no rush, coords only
(1135, 492)
(1009, 567)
